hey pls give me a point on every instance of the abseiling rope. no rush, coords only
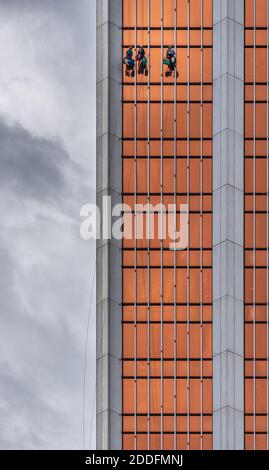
(135, 230)
(254, 237)
(175, 226)
(201, 228)
(267, 230)
(148, 254)
(188, 248)
(85, 357)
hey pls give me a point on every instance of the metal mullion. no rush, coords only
(201, 233)
(161, 182)
(254, 235)
(267, 231)
(175, 227)
(188, 250)
(148, 225)
(135, 233)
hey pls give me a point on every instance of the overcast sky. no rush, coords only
(47, 171)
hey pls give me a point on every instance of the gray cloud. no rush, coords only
(47, 171)
(31, 166)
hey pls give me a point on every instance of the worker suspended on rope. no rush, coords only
(142, 61)
(171, 62)
(130, 63)
(141, 53)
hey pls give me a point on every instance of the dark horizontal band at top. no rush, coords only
(256, 211)
(172, 377)
(165, 266)
(172, 83)
(256, 101)
(167, 157)
(201, 102)
(166, 249)
(190, 193)
(191, 322)
(257, 193)
(255, 304)
(170, 304)
(257, 28)
(167, 28)
(170, 359)
(249, 139)
(167, 322)
(257, 377)
(158, 433)
(165, 46)
(258, 359)
(256, 83)
(167, 414)
(171, 139)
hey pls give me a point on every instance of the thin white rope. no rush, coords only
(254, 236)
(86, 353)
(91, 447)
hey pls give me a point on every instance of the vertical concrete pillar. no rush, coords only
(228, 224)
(108, 266)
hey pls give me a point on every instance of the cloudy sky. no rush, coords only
(47, 171)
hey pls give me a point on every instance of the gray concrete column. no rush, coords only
(108, 265)
(228, 224)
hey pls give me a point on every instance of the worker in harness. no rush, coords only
(129, 62)
(142, 61)
(171, 62)
(141, 53)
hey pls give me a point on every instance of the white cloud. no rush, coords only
(47, 81)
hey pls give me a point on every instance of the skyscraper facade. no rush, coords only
(182, 333)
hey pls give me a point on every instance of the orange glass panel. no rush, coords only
(260, 12)
(256, 236)
(161, 287)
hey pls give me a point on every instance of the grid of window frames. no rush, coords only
(256, 223)
(167, 294)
